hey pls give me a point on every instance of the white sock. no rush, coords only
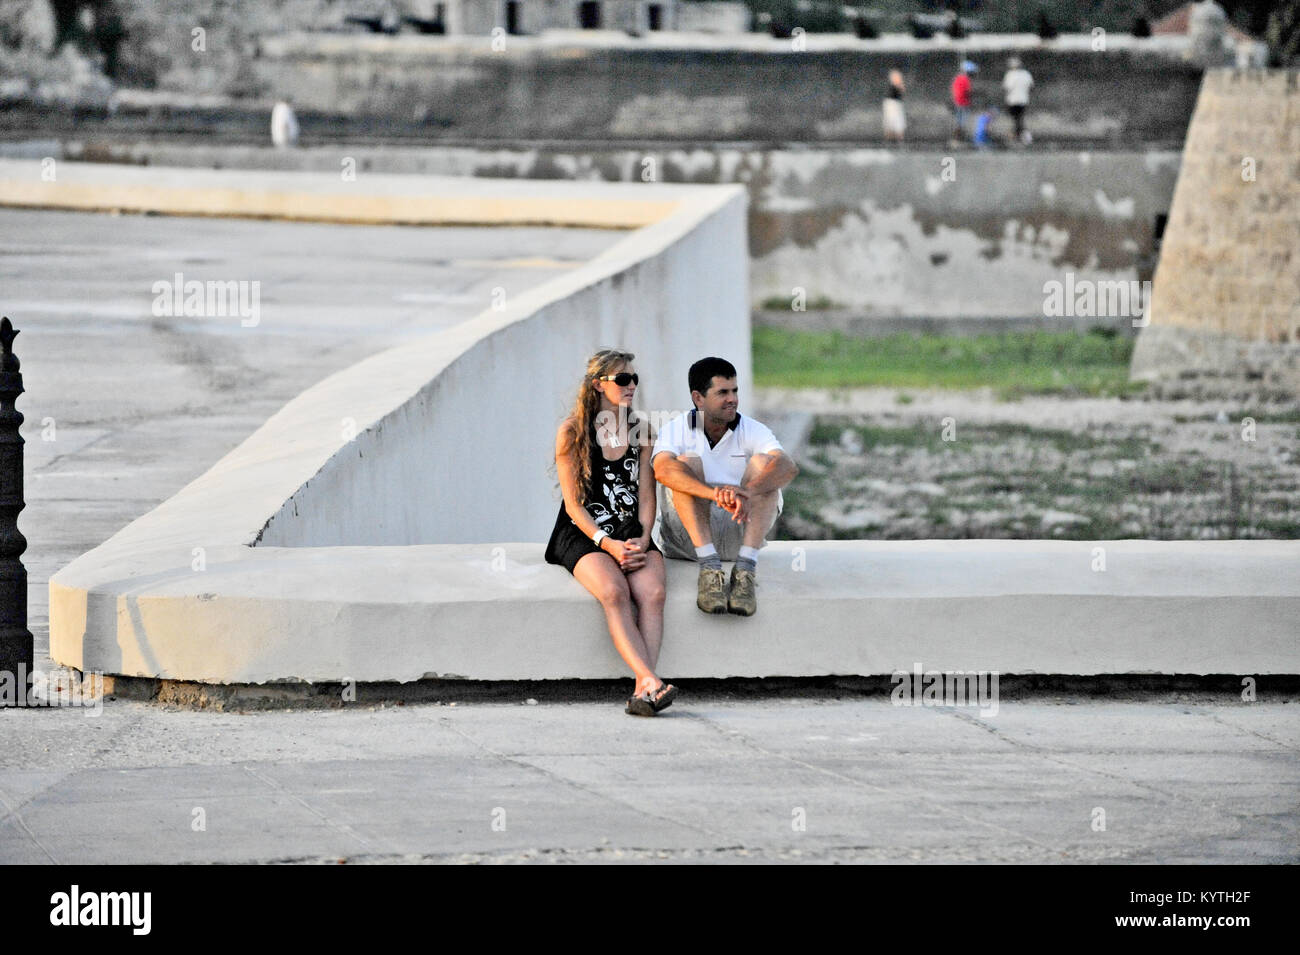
(708, 557)
(748, 553)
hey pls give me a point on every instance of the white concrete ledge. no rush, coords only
(370, 198)
(498, 612)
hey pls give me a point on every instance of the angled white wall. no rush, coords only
(455, 447)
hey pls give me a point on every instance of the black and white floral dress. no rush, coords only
(612, 501)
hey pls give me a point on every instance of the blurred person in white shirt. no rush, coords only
(1017, 84)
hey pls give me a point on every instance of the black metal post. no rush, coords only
(16, 647)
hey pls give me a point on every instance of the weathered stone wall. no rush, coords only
(480, 17)
(556, 91)
(1226, 299)
(713, 17)
(902, 234)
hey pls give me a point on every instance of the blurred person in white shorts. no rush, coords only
(894, 119)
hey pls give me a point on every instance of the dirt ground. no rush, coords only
(887, 463)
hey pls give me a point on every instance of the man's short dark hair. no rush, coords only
(705, 370)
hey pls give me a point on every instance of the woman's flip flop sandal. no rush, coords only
(663, 697)
(639, 706)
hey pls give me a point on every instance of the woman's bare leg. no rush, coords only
(607, 583)
(647, 586)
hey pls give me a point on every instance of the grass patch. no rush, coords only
(828, 429)
(1287, 416)
(783, 303)
(1015, 364)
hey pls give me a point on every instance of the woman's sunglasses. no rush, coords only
(622, 379)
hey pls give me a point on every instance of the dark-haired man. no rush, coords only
(721, 476)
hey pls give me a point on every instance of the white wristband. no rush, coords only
(600, 536)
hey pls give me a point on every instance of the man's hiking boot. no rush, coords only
(712, 596)
(743, 600)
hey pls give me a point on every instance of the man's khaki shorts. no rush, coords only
(671, 537)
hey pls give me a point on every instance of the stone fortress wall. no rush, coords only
(1226, 297)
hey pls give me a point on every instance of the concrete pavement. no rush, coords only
(1190, 779)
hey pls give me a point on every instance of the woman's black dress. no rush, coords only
(612, 500)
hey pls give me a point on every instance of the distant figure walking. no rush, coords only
(1017, 83)
(961, 99)
(284, 126)
(894, 117)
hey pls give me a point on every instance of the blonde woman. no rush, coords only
(602, 532)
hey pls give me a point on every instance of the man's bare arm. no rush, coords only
(672, 473)
(778, 471)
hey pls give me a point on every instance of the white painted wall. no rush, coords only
(464, 458)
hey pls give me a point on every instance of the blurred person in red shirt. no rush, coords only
(961, 100)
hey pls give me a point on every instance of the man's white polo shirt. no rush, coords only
(724, 463)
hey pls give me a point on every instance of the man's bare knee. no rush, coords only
(694, 462)
(693, 513)
(755, 463)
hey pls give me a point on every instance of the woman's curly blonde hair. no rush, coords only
(586, 406)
